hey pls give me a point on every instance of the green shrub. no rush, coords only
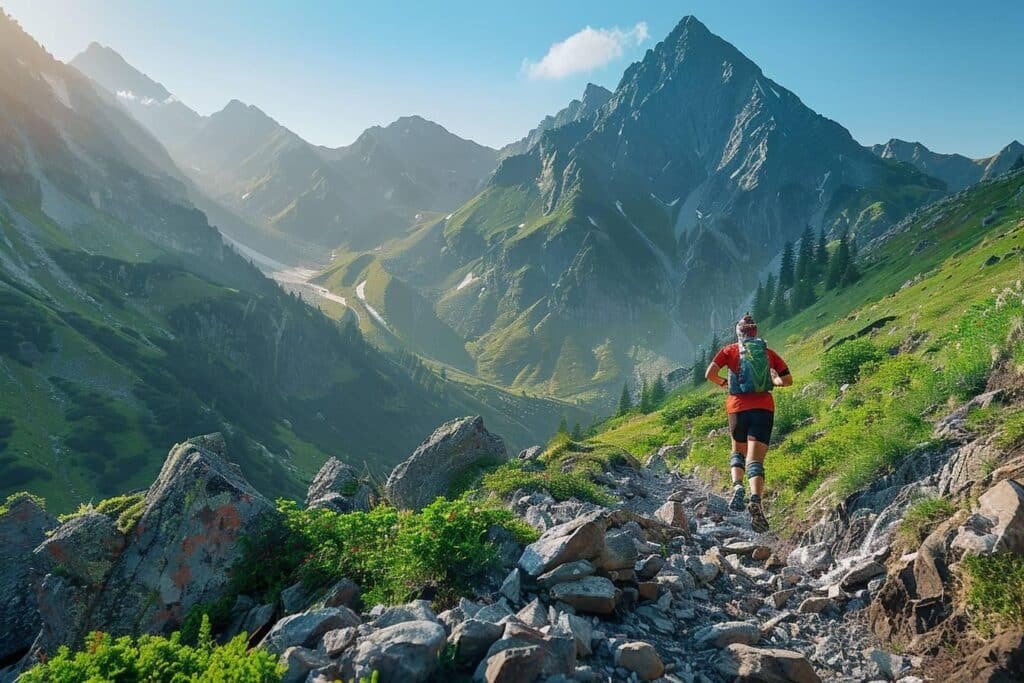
(1012, 433)
(995, 589)
(561, 485)
(156, 658)
(17, 496)
(392, 555)
(842, 364)
(922, 516)
(125, 510)
(691, 406)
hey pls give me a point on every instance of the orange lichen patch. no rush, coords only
(57, 552)
(182, 576)
(193, 543)
(228, 517)
(169, 614)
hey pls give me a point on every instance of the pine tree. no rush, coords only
(769, 295)
(577, 432)
(839, 264)
(563, 426)
(786, 274)
(780, 310)
(658, 391)
(625, 401)
(821, 255)
(760, 305)
(646, 405)
(805, 256)
(716, 345)
(699, 366)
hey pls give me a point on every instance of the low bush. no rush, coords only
(995, 589)
(158, 658)
(124, 510)
(394, 556)
(842, 364)
(15, 497)
(514, 476)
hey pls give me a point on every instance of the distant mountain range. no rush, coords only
(956, 170)
(355, 196)
(126, 323)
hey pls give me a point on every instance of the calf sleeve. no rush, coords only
(755, 469)
(737, 460)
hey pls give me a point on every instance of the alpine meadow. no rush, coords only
(664, 376)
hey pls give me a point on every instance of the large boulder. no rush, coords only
(307, 628)
(406, 652)
(82, 549)
(579, 539)
(594, 594)
(641, 658)
(998, 525)
(23, 526)
(180, 552)
(338, 487)
(436, 464)
(524, 654)
(769, 665)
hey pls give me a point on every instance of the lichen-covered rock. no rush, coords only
(338, 487)
(182, 548)
(435, 465)
(23, 526)
(406, 652)
(82, 549)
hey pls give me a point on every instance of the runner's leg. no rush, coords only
(756, 452)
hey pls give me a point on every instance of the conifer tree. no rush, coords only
(769, 295)
(699, 366)
(839, 264)
(786, 274)
(805, 256)
(658, 391)
(780, 310)
(821, 255)
(577, 432)
(563, 426)
(760, 305)
(645, 397)
(625, 401)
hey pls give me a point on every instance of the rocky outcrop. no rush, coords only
(23, 526)
(338, 487)
(438, 462)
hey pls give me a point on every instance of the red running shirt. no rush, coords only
(729, 357)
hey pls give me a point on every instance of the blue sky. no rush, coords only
(946, 73)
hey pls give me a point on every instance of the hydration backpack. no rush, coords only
(755, 371)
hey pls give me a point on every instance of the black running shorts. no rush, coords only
(752, 424)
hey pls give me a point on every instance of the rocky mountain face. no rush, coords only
(129, 324)
(620, 239)
(585, 108)
(956, 170)
(316, 197)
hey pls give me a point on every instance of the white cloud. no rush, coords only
(585, 50)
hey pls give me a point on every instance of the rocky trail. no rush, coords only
(664, 584)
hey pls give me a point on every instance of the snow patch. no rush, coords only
(592, 221)
(522, 225)
(466, 281)
(246, 195)
(448, 217)
(361, 293)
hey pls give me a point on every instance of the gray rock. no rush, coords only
(512, 665)
(407, 652)
(648, 567)
(296, 598)
(299, 661)
(814, 604)
(435, 465)
(182, 549)
(23, 526)
(337, 641)
(344, 593)
(417, 610)
(338, 487)
(579, 539)
(253, 621)
(531, 453)
(577, 628)
(640, 658)
(816, 557)
(673, 514)
(861, 573)
(727, 633)
(778, 599)
(533, 615)
(681, 582)
(546, 656)
(619, 551)
(767, 665)
(594, 594)
(511, 587)
(473, 638)
(495, 613)
(570, 571)
(306, 629)
(82, 549)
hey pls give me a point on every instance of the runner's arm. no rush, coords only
(781, 376)
(711, 375)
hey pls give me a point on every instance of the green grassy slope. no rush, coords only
(939, 306)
